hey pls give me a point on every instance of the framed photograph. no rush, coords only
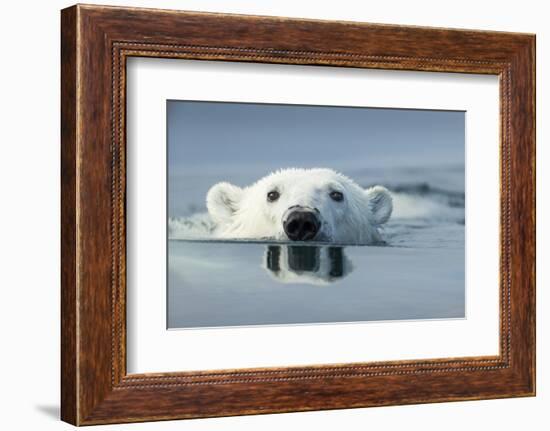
(263, 214)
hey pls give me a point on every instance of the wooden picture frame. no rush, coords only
(95, 43)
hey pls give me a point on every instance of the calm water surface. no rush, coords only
(231, 284)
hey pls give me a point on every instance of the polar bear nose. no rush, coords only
(301, 224)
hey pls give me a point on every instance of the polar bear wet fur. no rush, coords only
(300, 205)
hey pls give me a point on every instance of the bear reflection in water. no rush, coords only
(306, 264)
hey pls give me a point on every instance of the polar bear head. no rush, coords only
(300, 205)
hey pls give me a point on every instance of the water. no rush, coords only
(418, 274)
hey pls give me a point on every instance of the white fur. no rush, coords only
(245, 213)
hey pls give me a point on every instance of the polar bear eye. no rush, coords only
(336, 196)
(272, 196)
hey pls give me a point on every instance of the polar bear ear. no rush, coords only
(222, 201)
(380, 203)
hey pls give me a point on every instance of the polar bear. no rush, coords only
(300, 205)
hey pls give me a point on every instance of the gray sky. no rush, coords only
(238, 142)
